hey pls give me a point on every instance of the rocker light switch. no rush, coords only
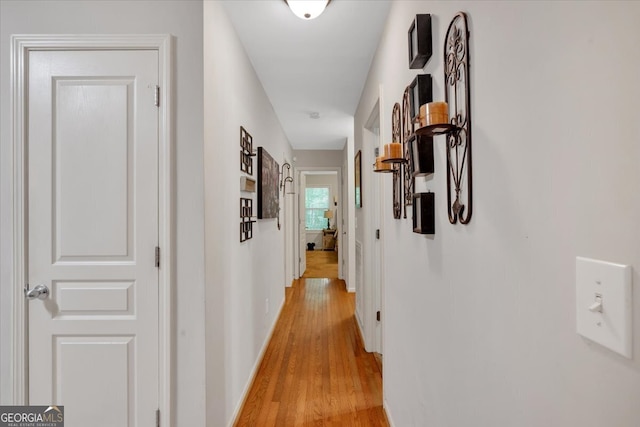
(603, 304)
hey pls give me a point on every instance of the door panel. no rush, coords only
(93, 229)
(88, 147)
(302, 224)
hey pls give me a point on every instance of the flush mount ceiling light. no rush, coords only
(307, 9)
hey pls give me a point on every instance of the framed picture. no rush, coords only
(419, 40)
(424, 213)
(420, 93)
(268, 195)
(421, 155)
(358, 178)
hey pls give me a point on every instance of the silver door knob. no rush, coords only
(40, 292)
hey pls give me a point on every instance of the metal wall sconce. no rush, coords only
(391, 161)
(393, 151)
(458, 128)
(420, 44)
(285, 179)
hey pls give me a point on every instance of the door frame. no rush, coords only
(21, 45)
(341, 248)
(374, 219)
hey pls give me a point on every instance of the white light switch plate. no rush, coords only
(610, 284)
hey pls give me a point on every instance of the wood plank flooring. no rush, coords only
(321, 264)
(315, 371)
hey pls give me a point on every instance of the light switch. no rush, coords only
(603, 304)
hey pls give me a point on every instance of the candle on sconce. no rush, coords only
(393, 151)
(434, 113)
(380, 166)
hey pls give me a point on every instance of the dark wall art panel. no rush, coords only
(268, 196)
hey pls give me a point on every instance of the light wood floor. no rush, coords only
(321, 264)
(315, 371)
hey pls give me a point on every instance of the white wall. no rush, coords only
(184, 21)
(318, 158)
(240, 277)
(480, 319)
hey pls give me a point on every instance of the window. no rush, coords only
(316, 201)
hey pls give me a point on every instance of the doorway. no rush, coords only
(317, 231)
(372, 251)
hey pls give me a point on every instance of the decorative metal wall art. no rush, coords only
(246, 151)
(458, 130)
(397, 167)
(246, 223)
(284, 179)
(420, 44)
(458, 96)
(407, 132)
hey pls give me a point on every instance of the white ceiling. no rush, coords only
(311, 66)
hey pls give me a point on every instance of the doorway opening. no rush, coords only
(320, 228)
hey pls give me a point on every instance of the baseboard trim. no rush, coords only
(256, 366)
(385, 407)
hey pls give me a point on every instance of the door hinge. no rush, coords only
(157, 417)
(157, 96)
(158, 256)
(378, 234)
(378, 315)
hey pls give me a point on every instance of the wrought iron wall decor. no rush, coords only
(458, 131)
(397, 167)
(407, 132)
(246, 151)
(420, 44)
(246, 223)
(284, 179)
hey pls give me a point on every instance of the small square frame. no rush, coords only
(424, 213)
(420, 93)
(420, 42)
(422, 162)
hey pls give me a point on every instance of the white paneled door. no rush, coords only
(92, 234)
(302, 224)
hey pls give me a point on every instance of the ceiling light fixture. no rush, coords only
(307, 9)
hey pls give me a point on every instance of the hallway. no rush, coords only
(315, 370)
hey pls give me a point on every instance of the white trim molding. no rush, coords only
(21, 45)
